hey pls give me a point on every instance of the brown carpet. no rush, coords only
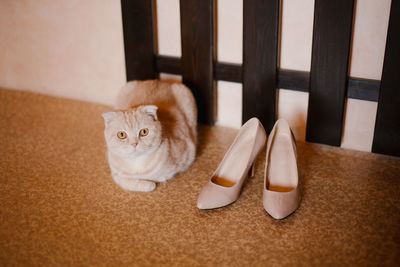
(59, 205)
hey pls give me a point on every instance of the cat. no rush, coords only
(151, 135)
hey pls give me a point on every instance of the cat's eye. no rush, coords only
(144, 132)
(122, 135)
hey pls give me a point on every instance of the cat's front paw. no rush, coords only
(134, 184)
(145, 186)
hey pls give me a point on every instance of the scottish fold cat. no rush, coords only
(152, 134)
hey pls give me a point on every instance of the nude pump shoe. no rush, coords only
(225, 185)
(281, 195)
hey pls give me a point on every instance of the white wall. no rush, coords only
(75, 49)
(66, 48)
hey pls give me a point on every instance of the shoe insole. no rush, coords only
(235, 162)
(282, 168)
(222, 181)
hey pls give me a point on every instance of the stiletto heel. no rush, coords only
(238, 163)
(281, 195)
(252, 170)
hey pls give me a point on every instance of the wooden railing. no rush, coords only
(328, 83)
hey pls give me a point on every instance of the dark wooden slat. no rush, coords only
(172, 65)
(387, 127)
(228, 72)
(329, 68)
(358, 88)
(197, 29)
(137, 19)
(363, 89)
(294, 80)
(260, 56)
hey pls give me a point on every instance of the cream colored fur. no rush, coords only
(168, 111)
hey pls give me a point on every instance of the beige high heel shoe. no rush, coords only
(281, 195)
(224, 186)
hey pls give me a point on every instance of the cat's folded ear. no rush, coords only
(108, 117)
(151, 110)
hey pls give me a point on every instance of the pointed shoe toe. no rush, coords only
(225, 184)
(281, 195)
(281, 204)
(214, 196)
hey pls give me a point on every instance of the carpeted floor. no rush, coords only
(59, 205)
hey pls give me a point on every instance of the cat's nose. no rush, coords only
(134, 144)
